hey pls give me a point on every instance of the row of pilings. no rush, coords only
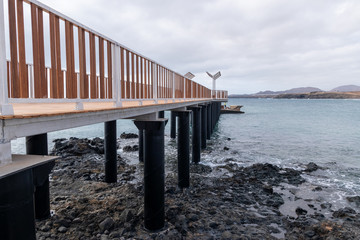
(24, 196)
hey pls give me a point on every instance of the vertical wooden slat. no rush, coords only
(93, 90)
(14, 76)
(60, 75)
(141, 79)
(84, 84)
(35, 43)
(150, 79)
(43, 79)
(127, 74)
(109, 65)
(137, 78)
(163, 82)
(132, 76)
(122, 73)
(101, 68)
(54, 76)
(145, 78)
(23, 78)
(71, 80)
(158, 83)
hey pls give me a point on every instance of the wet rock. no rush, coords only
(200, 168)
(131, 148)
(45, 228)
(344, 213)
(354, 199)
(107, 224)
(317, 189)
(268, 188)
(300, 211)
(128, 135)
(325, 205)
(213, 224)
(311, 167)
(77, 146)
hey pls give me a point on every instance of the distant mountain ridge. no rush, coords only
(293, 90)
(300, 90)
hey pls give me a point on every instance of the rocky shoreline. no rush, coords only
(224, 202)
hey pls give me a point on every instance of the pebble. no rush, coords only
(62, 229)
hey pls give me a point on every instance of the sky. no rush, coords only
(257, 45)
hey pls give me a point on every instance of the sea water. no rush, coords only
(284, 132)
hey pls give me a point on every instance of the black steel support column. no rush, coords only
(196, 133)
(141, 145)
(209, 123)
(17, 220)
(203, 126)
(173, 125)
(154, 173)
(213, 118)
(161, 114)
(183, 149)
(218, 111)
(110, 152)
(38, 145)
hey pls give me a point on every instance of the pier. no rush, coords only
(100, 80)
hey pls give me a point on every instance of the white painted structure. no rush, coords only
(214, 77)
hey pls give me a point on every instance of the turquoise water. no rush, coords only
(288, 133)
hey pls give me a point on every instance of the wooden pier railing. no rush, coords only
(71, 62)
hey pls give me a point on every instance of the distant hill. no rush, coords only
(321, 95)
(346, 91)
(346, 88)
(293, 90)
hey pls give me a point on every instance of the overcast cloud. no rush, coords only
(257, 44)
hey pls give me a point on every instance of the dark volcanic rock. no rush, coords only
(272, 174)
(311, 167)
(128, 135)
(344, 213)
(354, 199)
(106, 224)
(131, 148)
(300, 211)
(78, 146)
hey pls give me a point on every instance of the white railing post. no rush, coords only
(78, 105)
(5, 107)
(116, 75)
